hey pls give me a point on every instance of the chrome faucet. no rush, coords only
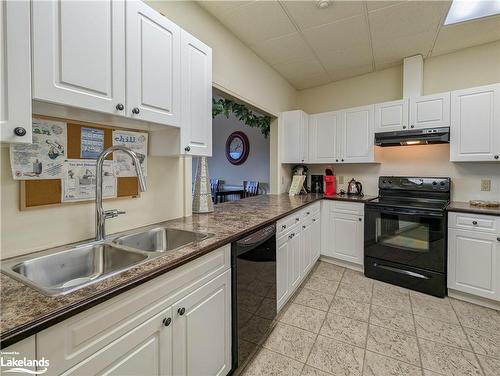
(100, 214)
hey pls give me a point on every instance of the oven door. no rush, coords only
(411, 237)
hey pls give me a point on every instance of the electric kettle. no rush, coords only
(354, 188)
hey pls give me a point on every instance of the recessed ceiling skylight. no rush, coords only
(465, 10)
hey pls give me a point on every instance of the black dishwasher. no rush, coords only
(253, 266)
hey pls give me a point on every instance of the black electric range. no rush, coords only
(405, 233)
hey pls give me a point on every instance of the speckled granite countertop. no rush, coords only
(25, 311)
(352, 198)
(465, 207)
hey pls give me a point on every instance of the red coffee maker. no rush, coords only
(329, 183)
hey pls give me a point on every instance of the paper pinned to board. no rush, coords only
(138, 142)
(91, 142)
(45, 156)
(79, 182)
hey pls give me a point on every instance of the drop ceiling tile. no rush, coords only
(301, 84)
(340, 35)
(357, 55)
(283, 49)
(374, 4)
(219, 7)
(395, 50)
(306, 14)
(341, 74)
(257, 22)
(408, 18)
(467, 34)
(308, 67)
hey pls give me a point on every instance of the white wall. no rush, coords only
(465, 68)
(255, 168)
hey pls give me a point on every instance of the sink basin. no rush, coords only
(160, 239)
(56, 273)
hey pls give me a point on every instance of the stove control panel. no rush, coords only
(410, 183)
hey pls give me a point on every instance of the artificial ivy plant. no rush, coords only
(226, 106)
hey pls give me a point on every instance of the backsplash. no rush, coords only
(428, 160)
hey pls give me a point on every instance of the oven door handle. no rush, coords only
(407, 212)
(400, 271)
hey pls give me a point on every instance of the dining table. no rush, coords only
(223, 193)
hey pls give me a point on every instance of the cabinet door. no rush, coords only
(323, 137)
(202, 330)
(475, 124)
(282, 283)
(145, 350)
(430, 111)
(391, 116)
(357, 135)
(18, 351)
(196, 129)
(294, 135)
(153, 65)
(295, 260)
(474, 263)
(15, 74)
(79, 54)
(346, 237)
(316, 238)
(306, 247)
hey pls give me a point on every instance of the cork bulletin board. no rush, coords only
(42, 193)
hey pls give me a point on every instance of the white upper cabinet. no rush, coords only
(475, 124)
(324, 133)
(153, 65)
(15, 72)
(294, 136)
(391, 116)
(196, 75)
(430, 111)
(357, 135)
(79, 54)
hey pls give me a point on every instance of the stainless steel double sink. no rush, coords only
(65, 269)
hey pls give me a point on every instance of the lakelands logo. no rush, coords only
(11, 363)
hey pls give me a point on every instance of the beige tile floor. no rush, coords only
(342, 323)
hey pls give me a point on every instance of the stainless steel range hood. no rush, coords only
(413, 137)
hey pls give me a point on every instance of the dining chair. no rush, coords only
(214, 187)
(250, 188)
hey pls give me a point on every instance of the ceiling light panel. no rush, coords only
(465, 10)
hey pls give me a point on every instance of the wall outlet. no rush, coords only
(341, 179)
(485, 185)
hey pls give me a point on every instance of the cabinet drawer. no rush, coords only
(471, 221)
(309, 211)
(80, 336)
(344, 207)
(284, 225)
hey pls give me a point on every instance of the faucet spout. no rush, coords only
(100, 214)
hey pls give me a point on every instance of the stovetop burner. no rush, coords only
(423, 193)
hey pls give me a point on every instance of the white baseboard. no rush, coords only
(474, 299)
(345, 264)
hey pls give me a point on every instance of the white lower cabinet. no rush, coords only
(175, 324)
(202, 330)
(474, 260)
(19, 350)
(343, 231)
(146, 350)
(297, 249)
